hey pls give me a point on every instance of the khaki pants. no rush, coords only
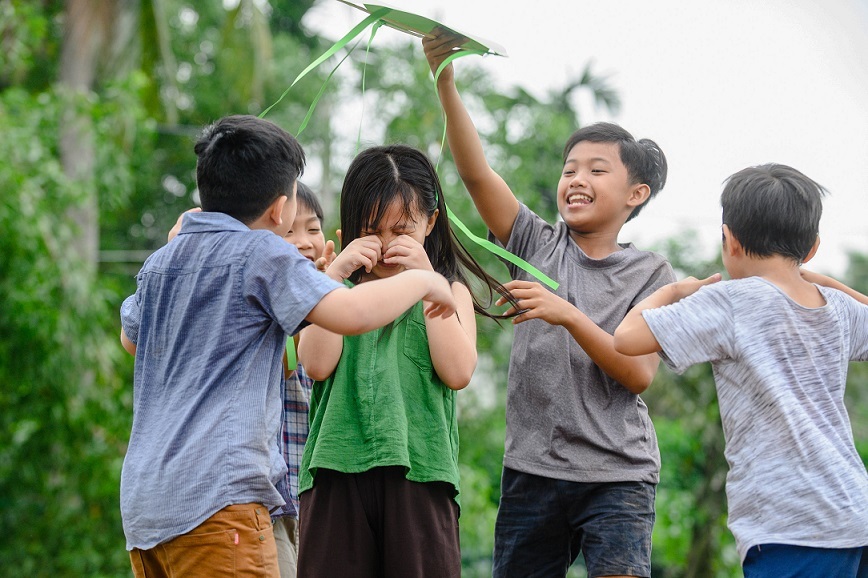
(286, 536)
(236, 541)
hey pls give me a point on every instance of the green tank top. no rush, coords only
(384, 406)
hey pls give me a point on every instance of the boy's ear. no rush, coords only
(431, 220)
(813, 250)
(639, 195)
(275, 210)
(730, 242)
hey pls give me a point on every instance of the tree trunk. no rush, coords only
(84, 33)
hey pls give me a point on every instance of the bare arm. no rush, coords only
(319, 351)
(452, 341)
(825, 281)
(493, 198)
(634, 373)
(633, 336)
(364, 308)
(128, 345)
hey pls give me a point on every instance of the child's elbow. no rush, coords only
(625, 342)
(316, 373)
(640, 383)
(457, 376)
(128, 345)
(458, 381)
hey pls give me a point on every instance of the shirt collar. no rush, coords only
(203, 222)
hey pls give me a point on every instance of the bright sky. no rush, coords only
(719, 86)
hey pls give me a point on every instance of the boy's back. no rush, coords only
(210, 319)
(780, 369)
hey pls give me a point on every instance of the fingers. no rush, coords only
(712, 279)
(433, 310)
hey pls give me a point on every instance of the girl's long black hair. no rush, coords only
(379, 176)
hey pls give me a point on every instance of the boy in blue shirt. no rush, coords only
(208, 324)
(779, 345)
(581, 461)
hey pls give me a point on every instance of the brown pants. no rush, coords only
(378, 523)
(236, 541)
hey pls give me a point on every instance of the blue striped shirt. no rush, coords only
(209, 318)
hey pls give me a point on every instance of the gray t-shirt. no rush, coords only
(565, 418)
(780, 369)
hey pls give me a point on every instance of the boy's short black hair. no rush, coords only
(244, 164)
(644, 160)
(307, 199)
(773, 210)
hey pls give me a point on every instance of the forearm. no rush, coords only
(634, 373)
(319, 351)
(493, 198)
(452, 342)
(370, 305)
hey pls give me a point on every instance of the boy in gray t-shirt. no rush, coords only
(581, 459)
(779, 345)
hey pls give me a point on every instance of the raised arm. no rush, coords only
(493, 198)
(826, 281)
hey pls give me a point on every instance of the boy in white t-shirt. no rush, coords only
(779, 345)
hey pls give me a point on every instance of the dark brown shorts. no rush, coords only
(378, 523)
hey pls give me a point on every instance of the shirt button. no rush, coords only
(262, 538)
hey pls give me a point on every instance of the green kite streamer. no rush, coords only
(484, 243)
(291, 358)
(503, 253)
(415, 25)
(328, 53)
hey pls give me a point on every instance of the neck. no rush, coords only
(596, 245)
(784, 274)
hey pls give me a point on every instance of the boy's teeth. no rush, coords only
(578, 197)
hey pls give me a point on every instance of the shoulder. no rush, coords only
(649, 259)
(527, 223)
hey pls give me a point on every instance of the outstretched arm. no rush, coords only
(364, 308)
(633, 336)
(825, 281)
(634, 373)
(493, 198)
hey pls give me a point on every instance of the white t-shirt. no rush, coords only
(780, 370)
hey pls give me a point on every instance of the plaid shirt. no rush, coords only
(293, 435)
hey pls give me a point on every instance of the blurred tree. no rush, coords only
(83, 138)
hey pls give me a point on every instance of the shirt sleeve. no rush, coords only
(131, 316)
(858, 329)
(285, 285)
(529, 231)
(662, 275)
(697, 329)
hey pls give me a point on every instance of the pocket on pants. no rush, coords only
(203, 554)
(236, 541)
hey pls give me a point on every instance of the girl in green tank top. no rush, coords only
(386, 399)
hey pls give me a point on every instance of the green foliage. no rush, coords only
(65, 385)
(64, 402)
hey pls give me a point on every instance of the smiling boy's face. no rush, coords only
(594, 191)
(306, 233)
